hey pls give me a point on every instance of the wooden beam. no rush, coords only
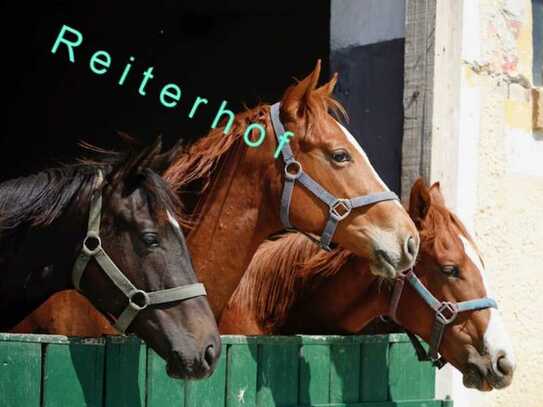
(418, 92)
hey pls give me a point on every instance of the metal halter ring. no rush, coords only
(92, 236)
(446, 313)
(298, 172)
(146, 300)
(340, 209)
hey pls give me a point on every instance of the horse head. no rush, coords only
(140, 234)
(380, 231)
(451, 268)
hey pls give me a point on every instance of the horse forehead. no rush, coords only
(352, 140)
(133, 208)
(358, 147)
(473, 255)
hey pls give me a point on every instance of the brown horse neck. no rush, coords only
(345, 302)
(239, 211)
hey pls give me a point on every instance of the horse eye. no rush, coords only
(450, 271)
(341, 156)
(150, 239)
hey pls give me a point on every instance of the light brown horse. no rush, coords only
(292, 287)
(233, 194)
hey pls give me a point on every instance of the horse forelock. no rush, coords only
(440, 222)
(316, 109)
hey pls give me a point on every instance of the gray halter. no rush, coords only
(92, 248)
(445, 313)
(339, 208)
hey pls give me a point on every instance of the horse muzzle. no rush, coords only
(487, 372)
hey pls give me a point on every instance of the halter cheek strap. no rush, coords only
(445, 314)
(137, 299)
(338, 208)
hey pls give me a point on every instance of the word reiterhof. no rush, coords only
(170, 94)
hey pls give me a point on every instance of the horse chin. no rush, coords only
(473, 379)
(381, 267)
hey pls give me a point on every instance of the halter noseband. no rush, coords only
(92, 248)
(445, 313)
(339, 208)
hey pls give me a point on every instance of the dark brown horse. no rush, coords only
(292, 287)
(233, 195)
(108, 228)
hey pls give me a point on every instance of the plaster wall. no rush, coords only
(499, 191)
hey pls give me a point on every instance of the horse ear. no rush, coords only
(419, 201)
(163, 161)
(145, 158)
(295, 97)
(328, 88)
(131, 172)
(436, 194)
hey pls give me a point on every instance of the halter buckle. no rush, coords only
(92, 244)
(293, 176)
(340, 209)
(144, 296)
(446, 313)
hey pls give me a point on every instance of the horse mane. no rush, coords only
(198, 161)
(270, 292)
(42, 198)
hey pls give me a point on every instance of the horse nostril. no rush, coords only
(209, 355)
(504, 366)
(411, 248)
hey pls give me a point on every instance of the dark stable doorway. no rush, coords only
(243, 52)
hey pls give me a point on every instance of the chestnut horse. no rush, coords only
(292, 287)
(235, 194)
(108, 229)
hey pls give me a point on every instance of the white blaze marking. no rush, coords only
(496, 340)
(358, 148)
(173, 221)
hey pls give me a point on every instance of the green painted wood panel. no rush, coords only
(125, 372)
(354, 371)
(417, 382)
(314, 374)
(278, 375)
(209, 392)
(73, 375)
(413, 403)
(162, 390)
(374, 364)
(344, 373)
(20, 374)
(241, 379)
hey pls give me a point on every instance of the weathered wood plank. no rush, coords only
(209, 392)
(314, 374)
(417, 383)
(125, 381)
(73, 375)
(278, 375)
(418, 92)
(344, 373)
(162, 390)
(374, 366)
(20, 374)
(242, 375)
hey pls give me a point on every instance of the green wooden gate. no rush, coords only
(331, 371)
